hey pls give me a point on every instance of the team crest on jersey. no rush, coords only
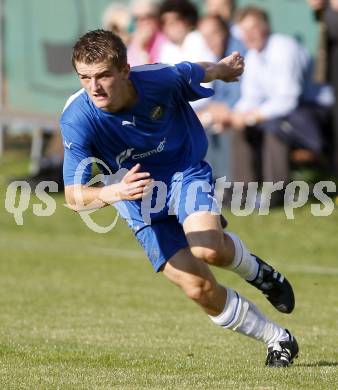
(156, 113)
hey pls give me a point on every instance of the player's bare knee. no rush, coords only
(229, 251)
(212, 256)
(198, 289)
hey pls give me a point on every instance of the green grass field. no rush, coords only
(81, 310)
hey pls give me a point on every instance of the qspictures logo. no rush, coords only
(243, 202)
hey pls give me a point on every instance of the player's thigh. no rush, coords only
(161, 240)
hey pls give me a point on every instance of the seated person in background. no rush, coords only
(271, 114)
(147, 40)
(179, 20)
(225, 9)
(222, 8)
(116, 18)
(221, 42)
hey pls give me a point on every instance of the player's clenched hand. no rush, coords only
(231, 67)
(134, 184)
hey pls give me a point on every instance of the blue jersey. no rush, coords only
(161, 131)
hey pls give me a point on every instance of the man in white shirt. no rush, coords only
(272, 89)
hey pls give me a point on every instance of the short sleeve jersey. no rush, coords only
(160, 131)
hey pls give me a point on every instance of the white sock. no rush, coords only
(243, 316)
(244, 263)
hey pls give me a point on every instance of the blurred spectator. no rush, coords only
(273, 112)
(222, 36)
(179, 20)
(326, 12)
(147, 39)
(116, 18)
(222, 8)
(216, 33)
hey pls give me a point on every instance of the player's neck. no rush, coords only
(131, 95)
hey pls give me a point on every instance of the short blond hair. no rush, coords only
(100, 46)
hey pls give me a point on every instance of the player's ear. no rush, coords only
(126, 71)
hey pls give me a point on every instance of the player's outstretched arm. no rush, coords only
(228, 69)
(133, 186)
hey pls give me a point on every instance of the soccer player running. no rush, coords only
(140, 119)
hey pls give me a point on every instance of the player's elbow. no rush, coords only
(70, 198)
(73, 207)
(71, 204)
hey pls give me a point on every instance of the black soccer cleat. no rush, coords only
(275, 287)
(282, 353)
